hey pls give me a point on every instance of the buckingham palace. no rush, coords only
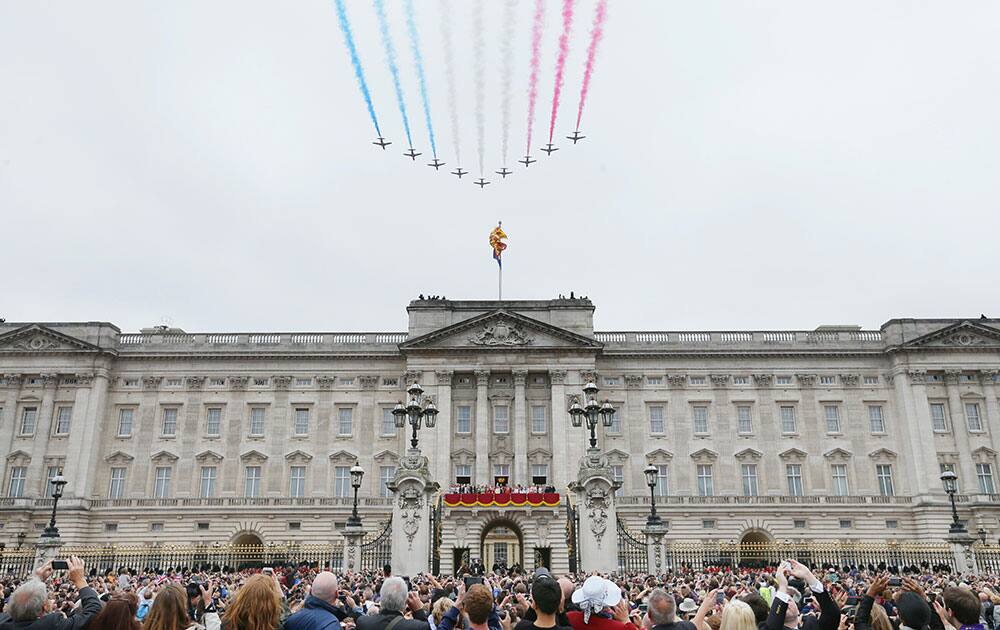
(832, 433)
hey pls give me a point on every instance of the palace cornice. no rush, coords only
(383, 356)
(737, 354)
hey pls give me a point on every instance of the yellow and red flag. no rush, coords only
(497, 244)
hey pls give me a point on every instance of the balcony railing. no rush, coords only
(298, 341)
(766, 500)
(28, 503)
(761, 339)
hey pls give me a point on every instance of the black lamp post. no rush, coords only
(592, 411)
(57, 491)
(950, 480)
(652, 473)
(20, 539)
(357, 474)
(982, 535)
(415, 412)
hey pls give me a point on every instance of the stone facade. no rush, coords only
(832, 433)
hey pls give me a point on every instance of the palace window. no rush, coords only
(342, 481)
(463, 473)
(116, 488)
(875, 419)
(972, 417)
(706, 486)
(662, 487)
(63, 417)
(794, 474)
(302, 421)
(654, 380)
(29, 418)
(345, 421)
(257, 421)
(699, 418)
(540, 473)
(846, 523)
(216, 382)
(388, 422)
(173, 382)
(303, 382)
(156, 527)
(611, 381)
(939, 420)
(799, 524)
(985, 474)
(697, 380)
(787, 419)
(708, 523)
(744, 419)
(871, 380)
(251, 486)
(463, 419)
(161, 482)
(501, 419)
(741, 380)
(883, 472)
(15, 488)
(537, 419)
(213, 421)
(892, 524)
(827, 380)
(616, 424)
(297, 481)
(169, 421)
(832, 415)
(783, 380)
(656, 425)
(206, 489)
(749, 474)
(618, 475)
(385, 475)
(839, 474)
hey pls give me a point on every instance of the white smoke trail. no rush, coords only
(506, 73)
(449, 73)
(478, 49)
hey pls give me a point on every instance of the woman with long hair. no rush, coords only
(257, 606)
(118, 614)
(170, 610)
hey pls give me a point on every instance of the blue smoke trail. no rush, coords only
(418, 59)
(345, 27)
(390, 58)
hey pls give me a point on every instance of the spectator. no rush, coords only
(257, 606)
(662, 612)
(872, 617)
(477, 604)
(758, 605)
(118, 614)
(601, 606)
(320, 610)
(784, 610)
(546, 602)
(960, 610)
(438, 610)
(170, 610)
(30, 602)
(393, 600)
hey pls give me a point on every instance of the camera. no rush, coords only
(60, 565)
(470, 580)
(194, 588)
(895, 581)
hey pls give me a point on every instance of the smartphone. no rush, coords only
(267, 571)
(470, 580)
(895, 581)
(60, 565)
(720, 598)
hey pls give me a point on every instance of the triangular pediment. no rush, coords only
(965, 334)
(659, 455)
(208, 455)
(500, 330)
(118, 457)
(253, 455)
(792, 454)
(18, 455)
(165, 456)
(343, 457)
(748, 454)
(882, 454)
(837, 453)
(386, 456)
(298, 455)
(704, 455)
(540, 453)
(39, 338)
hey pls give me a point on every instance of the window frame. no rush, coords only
(749, 483)
(209, 409)
(740, 428)
(24, 417)
(112, 482)
(662, 419)
(164, 411)
(211, 479)
(978, 416)
(706, 482)
(881, 418)
(21, 480)
(163, 484)
(506, 419)
(342, 413)
(886, 484)
(794, 480)
(794, 419)
(695, 408)
(835, 479)
(56, 429)
(544, 420)
(297, 482)
(837, 428)
(459, 420)
(251, 483)
(131, 421)
(296, 414)
(262, 409)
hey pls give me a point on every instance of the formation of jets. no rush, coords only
(436, 164)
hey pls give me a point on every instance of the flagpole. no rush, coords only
(500, 283)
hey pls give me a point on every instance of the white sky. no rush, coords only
(748, 165)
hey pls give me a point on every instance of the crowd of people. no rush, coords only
(468, 488)
(790, 596)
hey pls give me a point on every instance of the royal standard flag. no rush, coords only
(497, 243)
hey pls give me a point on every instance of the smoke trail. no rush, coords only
(595, 37)
(567, 15)
(536, 48)
(449, 74)
(480, 74)
(507, 71)
(345, 27)
(418, 59)
(390, 58)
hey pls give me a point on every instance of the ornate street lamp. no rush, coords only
(652, 473)
(357, 474)
(57, 491)
(592, 411)
(982, 535)
(415, 412)
(20, 539)
(950, 480)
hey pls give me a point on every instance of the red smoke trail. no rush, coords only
(536, 47)
(595, 37)
(567, 15)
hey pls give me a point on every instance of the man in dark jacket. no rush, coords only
(30, 602)
(785, 612)
(322, 609)
(394, 598)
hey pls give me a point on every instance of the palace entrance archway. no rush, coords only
(502, 542)
(246, 539)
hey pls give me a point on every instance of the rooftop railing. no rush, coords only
(297, 340)
(741, 338)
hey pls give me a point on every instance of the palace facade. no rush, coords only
(826, 434)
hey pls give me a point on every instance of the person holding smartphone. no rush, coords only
(30, 605)
(785, 612)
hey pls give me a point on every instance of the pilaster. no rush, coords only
(557, 431)
(960, 429)
(520, 433)
(482, 427)
(412, 489)
(43, 428)
(595, 497)
(444, 428)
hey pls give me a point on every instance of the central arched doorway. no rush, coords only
(247, 539)
(502, 542)
(755, 548)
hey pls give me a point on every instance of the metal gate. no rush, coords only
(572, 537)
(632, 553)
(377, 551)
(434, 559)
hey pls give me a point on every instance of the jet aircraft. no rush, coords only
(382, 142)
(482, 183)
(549, 149)
(459, 172)
(436, 164)
(576, 137)
(412, 154)
(504, 172)
(527, 161)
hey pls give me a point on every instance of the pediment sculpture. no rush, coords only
(501, 333)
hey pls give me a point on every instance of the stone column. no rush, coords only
(413, 489)
(911, 400)
(47, 549)
(960, 428)
(654, 546)
(9, 422)
(89, 410)
(961, 546)
(444, 428)
(595, 499)
(520, 433)
(992, 421)
(43, 429)
(558, 426)
(482, 427)
(352, 548)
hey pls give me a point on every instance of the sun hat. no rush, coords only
(595, 595)
(688, 605)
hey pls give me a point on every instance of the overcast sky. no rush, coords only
(748, 165)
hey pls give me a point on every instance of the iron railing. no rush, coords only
(376, 551)
(632, 553)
